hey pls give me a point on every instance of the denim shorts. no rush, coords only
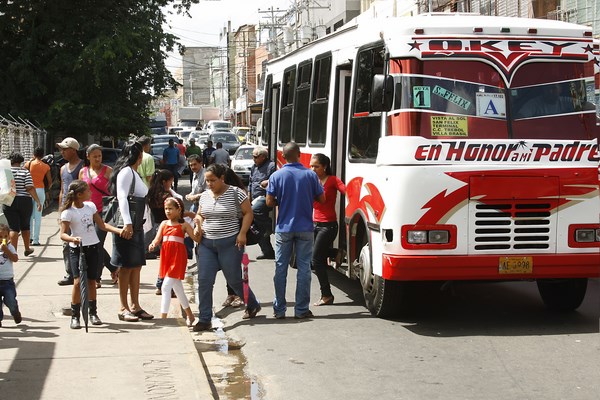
(92, 260)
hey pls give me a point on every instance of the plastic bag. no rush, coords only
(8, 189)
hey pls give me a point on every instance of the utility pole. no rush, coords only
(274, 15)
(191, 101)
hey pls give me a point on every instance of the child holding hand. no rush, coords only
(173, 255)
(78, 217)
(8, 291)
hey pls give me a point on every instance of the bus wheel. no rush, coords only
(562, 294)
(382, 296)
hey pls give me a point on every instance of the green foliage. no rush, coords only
(85, 66)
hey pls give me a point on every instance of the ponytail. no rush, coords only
(76, 187)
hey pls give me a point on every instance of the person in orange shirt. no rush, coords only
(181, 147)
(39, 171)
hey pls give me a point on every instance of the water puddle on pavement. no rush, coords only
(222, 358)
(224, 361)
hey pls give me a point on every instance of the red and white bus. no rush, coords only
(467, 144)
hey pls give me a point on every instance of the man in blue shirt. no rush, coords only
(171, 161)
(293, 189)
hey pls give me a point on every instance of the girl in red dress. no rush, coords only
(173, 255)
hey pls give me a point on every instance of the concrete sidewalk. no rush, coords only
(42, 358)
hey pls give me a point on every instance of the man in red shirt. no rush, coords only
(181, 147)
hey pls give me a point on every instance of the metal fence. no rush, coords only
(21, 136)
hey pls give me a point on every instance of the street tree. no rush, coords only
(87, 66)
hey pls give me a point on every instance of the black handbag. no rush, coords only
(253, 234)
(111, 212)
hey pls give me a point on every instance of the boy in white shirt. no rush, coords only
(8, 291)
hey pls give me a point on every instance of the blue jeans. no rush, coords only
(8, 296)
(302, 244)
(215, 255)
(36, 216)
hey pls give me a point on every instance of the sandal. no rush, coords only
(237, 302)
(127, 316)
(115, 277)
(228, 300)
(324, 301)
(142, 314)
(190, 322)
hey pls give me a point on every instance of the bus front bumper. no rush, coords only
(488, 267)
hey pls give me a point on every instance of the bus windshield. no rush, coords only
(470, 99)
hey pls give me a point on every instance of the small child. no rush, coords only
(173, 255)
(78, 217)
(8, 292)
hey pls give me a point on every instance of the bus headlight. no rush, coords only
(419, 237)
(438, 237)
(586, 235)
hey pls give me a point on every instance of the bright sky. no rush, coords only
(209, 17)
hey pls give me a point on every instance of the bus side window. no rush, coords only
(319, 101)
(301, 102)
(365, 128)
(287, 104)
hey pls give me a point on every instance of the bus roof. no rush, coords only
(397, 32)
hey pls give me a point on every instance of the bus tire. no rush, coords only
(562, 294)
(382, 296)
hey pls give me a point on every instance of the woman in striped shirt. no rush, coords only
(18, 214)
(222, 241)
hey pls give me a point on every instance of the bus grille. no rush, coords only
(513, 226)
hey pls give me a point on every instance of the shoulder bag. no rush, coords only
(111, 213)
(253, 234)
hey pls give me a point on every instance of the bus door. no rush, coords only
(338, 151)
(272, 139)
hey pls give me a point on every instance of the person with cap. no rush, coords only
(260, 173)
(69, 172)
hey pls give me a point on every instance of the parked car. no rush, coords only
(241, 132)
(110, 155)
(185, 135)
(201, 141)
(174, 129)
(164, 138)
(217, 125)
(242, 161)
(229, 140)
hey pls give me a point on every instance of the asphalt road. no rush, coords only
(471, 341)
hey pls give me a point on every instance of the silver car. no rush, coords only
(228, 139)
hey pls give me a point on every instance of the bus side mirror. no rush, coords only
(382, 94)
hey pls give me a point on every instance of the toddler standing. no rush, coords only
(78, 217)
(173, 255)
(8, 292)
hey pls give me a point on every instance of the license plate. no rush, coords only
(515, 265)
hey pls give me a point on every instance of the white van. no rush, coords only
(217, 125)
